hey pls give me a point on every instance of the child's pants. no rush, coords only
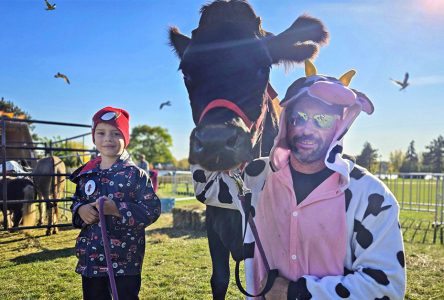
(98, 288)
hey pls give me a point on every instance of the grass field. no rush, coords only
(177, 263)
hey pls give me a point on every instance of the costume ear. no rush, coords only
(310, 68)
(365, 102)
(299, 42)
(347, 77)
(178, 41)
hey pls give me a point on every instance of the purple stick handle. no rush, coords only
(106, 246)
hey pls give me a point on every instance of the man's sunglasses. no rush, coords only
(109, 116)
(322, 121)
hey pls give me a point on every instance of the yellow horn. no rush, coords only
(347, 77)
(310, 69)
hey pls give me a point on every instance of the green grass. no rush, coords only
(177, 262)
(177, 265)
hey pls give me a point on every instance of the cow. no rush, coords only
(226, 68)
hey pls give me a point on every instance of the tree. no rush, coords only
(183, 164)
(368, 157)
(153, 142)
(396, 160)
(433, 159)
(411, 161)
(10, 107)
(71, 159)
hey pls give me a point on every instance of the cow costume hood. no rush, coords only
(331, 91)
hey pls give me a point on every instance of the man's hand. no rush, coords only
(88, 213)
(279, 289)
(109, 207)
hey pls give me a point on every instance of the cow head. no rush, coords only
(226, 66)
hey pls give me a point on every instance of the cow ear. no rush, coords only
(365, 102)
(178, 41)
(299, 42)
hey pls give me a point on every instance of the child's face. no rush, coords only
(109, 141)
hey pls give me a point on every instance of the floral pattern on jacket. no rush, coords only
(131, 190)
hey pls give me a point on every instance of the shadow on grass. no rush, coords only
(178, 233)
(44, 255)
(13, 241)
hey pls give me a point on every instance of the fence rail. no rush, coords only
(5, 144)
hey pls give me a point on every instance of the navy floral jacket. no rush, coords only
(130, 188)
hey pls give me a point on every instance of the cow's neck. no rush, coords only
(270, 130)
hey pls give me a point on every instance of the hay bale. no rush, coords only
(188, 218)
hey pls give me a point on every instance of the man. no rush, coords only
(328, 226)
(143, 164)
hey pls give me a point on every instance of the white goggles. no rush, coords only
(109, 116)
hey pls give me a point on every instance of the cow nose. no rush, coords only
(215, 139)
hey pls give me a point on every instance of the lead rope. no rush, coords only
(244, 195)
(106, 246)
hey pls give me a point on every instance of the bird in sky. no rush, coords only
(60, 75)
(403, 84)
(50, 6)
(166, 103)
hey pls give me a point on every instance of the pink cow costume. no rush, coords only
(342, 240)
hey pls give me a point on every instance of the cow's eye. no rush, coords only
(186, 78)
(262, 72)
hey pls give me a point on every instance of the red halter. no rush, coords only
(271, 94)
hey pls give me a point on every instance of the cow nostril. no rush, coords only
(231, 142)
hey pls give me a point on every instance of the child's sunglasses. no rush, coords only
(322, 121)
(109, 116)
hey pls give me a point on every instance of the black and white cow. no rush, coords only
(226, 66)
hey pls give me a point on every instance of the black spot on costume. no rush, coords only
(199, 176)
(348, 197)
(378, 275)
(356, 173)
(363, 235)
(342, 291)
(375, 205)
(224, 193)
(255, 168)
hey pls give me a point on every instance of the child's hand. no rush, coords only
(88, 213)
(109, 207)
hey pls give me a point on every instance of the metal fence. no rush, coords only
(421, 196)
(32, 147)
(178, 184)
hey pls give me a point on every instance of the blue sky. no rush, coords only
(116, 53)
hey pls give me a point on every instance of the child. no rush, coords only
(130, 206)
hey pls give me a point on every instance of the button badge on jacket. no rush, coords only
(90, 187)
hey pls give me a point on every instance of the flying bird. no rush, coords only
(60, 75)
(50, 6)
(403, 84)
(167, 103)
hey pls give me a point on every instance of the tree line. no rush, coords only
(431, 160)
(154, 142)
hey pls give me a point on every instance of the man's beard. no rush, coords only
(310, 156)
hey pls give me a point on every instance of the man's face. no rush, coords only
(311, 126)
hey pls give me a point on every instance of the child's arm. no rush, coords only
(145, 209)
